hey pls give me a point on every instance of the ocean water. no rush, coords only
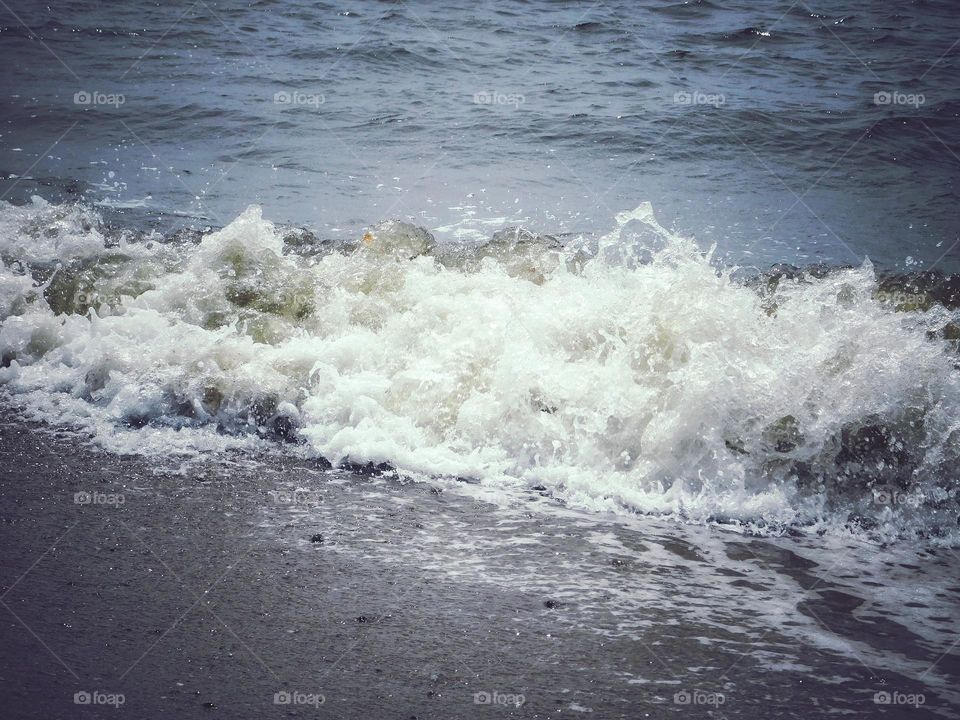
(689, 260)
(754, 126)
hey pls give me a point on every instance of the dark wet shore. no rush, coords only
(205, 594)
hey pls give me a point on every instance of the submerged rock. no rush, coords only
(858, 442)
(736, 445)
(291, 296)
(298, 237)
(921, 290)
(951, 331)
(305, 243)
(784, 435)
(875, 451)
(285, 428)
(769, 281)
(398, 239)
(368, 469)
(212, 399)
(524, 253)
(516, 235)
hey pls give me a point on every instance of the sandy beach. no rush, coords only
(205, 594)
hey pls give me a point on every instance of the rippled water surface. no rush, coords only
(750, 125)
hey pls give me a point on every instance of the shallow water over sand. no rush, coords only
(248, 577)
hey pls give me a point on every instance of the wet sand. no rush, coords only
(207, 592)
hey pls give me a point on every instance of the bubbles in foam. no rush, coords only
(645, 379)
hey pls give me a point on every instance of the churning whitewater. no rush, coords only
(625, 373)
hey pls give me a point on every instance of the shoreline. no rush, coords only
(205, 594)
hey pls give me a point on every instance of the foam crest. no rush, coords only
(645, 379)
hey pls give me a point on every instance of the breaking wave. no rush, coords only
(625, 373)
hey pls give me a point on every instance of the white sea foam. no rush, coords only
(646, 379)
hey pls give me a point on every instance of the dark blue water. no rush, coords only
(755, 126)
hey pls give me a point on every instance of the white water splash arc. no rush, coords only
(645, 379)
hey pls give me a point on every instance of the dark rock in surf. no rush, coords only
(922, 290)
(299, 237)
(366, 469)
(859, 442)
(285, 428)
(304, 243)
(514, 236)
(784, 270)
(398, 239)
(262, 409)
(950, 331)
(736, 446)
(523, 253)
(784, 435)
